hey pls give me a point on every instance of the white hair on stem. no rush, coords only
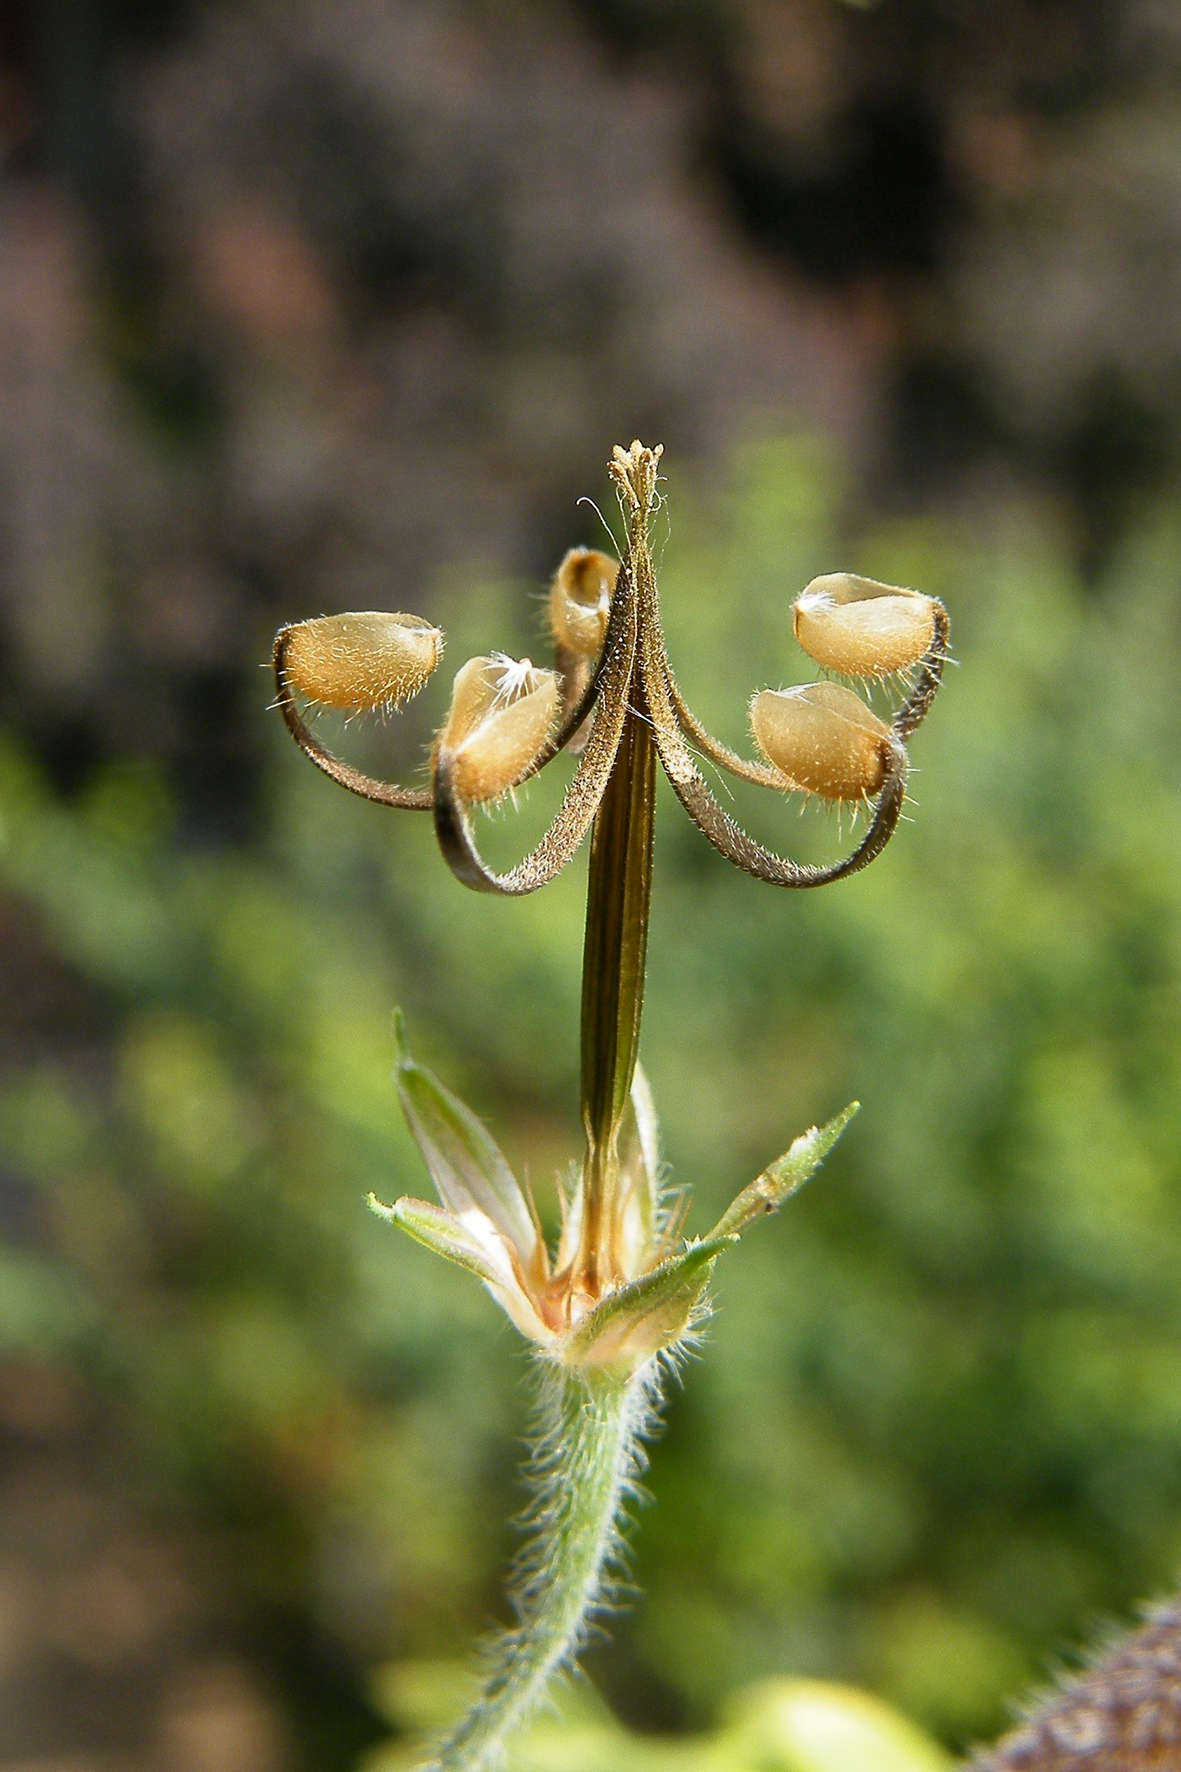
(584, 1470)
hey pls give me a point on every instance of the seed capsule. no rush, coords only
(502, 712)
(861, 628)
(580, 600)
(823, 738)
(361, 661)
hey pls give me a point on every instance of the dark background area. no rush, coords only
(259, 259)
(310, 307)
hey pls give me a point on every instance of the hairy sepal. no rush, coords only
(466, 1164)
(472, 1246)
(647, 1315)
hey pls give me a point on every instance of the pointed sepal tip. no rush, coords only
(785, 1177)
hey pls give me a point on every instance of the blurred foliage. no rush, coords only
(774, 1726)
(937, 1425)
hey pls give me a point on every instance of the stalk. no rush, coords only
(618, 895)
(583, 1466)
(592, 1419)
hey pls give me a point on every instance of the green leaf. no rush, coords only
(647, 1314)
(784, 1177)
(466, 1164)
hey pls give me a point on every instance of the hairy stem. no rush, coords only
(584, 1464)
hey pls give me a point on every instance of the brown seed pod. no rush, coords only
(502, 712)
(580, 600)
(361, 661)
(861, 628)
(823, 738)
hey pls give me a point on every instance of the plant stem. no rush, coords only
(592, 1420)
(583, 1465)
(619, 889)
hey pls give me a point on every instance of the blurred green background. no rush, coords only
(306, 312)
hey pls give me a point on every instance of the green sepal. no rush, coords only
(784, 1177)
(436, 1229)
(466, 1164)
(639, 1319)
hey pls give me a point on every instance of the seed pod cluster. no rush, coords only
(580, 600)
(361, 661)
(502, 712)
(612, 677)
